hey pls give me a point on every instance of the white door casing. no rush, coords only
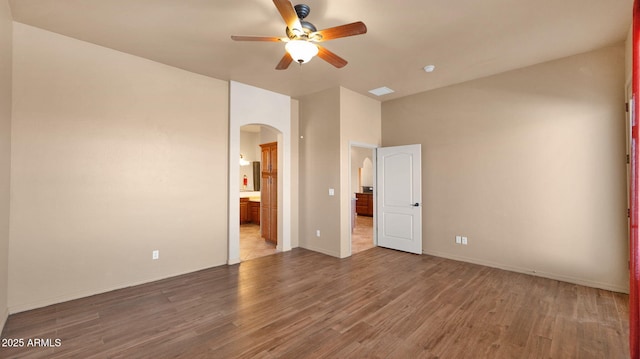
(399, 196)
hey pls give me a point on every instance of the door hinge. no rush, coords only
(628, 159)
(626, 107)
(628, 213)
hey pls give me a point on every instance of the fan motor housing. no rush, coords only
(307, 27)
(302, 10)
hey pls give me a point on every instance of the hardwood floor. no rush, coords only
(300, 304)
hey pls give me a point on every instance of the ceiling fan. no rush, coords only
(302, 36)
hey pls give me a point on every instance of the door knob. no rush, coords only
(416, 204)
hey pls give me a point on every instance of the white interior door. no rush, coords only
(399, 193)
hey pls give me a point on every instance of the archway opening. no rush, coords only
(258, 191)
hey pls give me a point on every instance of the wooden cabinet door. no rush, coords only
(265, 161)
(265, 206)
(273, 154)
(269, 192)
(364, 204)
(269, 209)
(244, 210)
(273, 210)
(254, 212)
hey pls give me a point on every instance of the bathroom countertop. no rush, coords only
(250, 194)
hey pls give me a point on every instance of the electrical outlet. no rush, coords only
(155, 254)
(318, 233)
(464, 240)
(332, 192)
(458, 239)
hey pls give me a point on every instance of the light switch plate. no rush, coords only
(332, 191)
(458, 239)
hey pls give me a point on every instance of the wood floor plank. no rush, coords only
(379, 303)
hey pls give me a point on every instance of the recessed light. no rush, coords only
(429, 68)
(381, 91)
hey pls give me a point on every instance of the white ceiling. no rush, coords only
(465, 39)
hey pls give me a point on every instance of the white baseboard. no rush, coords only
(560, 277)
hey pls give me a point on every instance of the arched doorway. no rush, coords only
(258, 192)
(273, 111)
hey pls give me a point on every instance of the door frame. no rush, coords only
(373, 149)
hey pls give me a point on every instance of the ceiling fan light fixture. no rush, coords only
(302, 36)
(301, 51)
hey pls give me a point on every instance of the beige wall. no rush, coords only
(113, 156)
(529, 165)
(320, 170)
(5, 152)
(330, 121)
(250, 149)
(360, 122)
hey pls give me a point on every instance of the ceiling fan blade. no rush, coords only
(288, 13)
(331, 58)
(284, 62)
(256, 38)
(355, 28)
